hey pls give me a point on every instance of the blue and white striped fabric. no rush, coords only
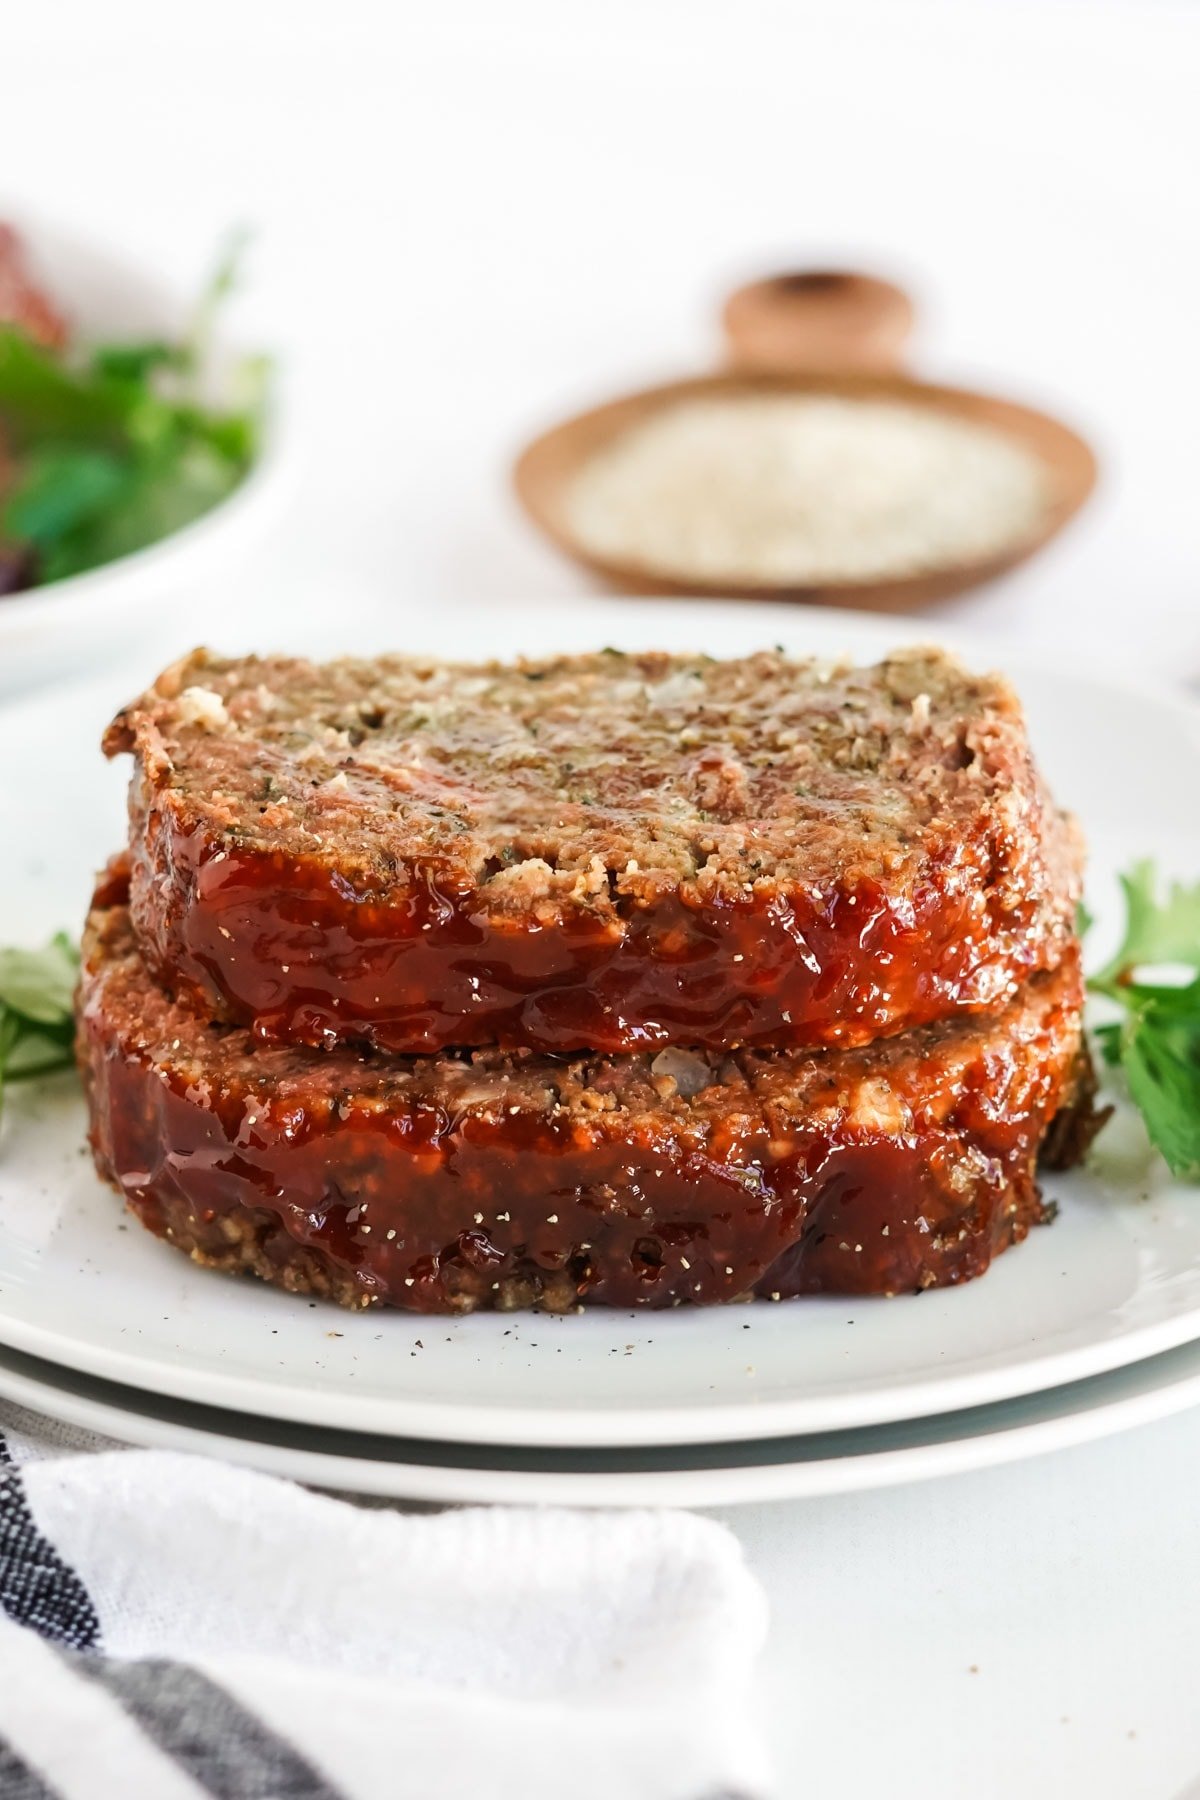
(173, 1628)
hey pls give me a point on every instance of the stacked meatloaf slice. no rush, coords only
(622, 979)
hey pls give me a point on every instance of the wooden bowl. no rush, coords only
(544, 473)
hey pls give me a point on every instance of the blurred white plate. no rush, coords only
(1116, 1278)
(46, 632)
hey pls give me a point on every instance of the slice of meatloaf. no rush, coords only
(511, 1178)
(606, 851)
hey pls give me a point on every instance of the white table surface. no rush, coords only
(476, 217)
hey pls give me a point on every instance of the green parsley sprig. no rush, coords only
(37, 1018)
(1156, 1041)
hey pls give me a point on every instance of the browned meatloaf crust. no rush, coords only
(509, 1179)
(605, 851)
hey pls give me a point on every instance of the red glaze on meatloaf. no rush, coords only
(511, 1179)
(606, 851)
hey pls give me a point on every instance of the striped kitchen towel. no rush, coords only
(174, 1627)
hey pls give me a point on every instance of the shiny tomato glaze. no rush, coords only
(434, 1213)
(291, 948)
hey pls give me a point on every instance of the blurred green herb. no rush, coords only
(37, 1022)
(118, 450)
(1156, 1041)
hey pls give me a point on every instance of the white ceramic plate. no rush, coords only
(1116, 1278)
(59, 627)
(781, 1468)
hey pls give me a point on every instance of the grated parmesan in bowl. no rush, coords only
(805, 489)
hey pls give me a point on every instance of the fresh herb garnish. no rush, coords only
(1157, 1040)
(37, 1020)
(118, 447)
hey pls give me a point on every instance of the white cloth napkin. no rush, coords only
(174, 1627)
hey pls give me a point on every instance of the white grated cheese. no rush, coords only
(201, 706)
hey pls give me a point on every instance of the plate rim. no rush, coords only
(1079, 1413)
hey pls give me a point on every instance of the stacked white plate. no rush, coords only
(1092, 1325)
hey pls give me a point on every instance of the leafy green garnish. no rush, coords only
(134, 362)
(1157, 1041)
(42, 400)
(37, 1020)
(62, 488)
(1156, 931)
(122, 447)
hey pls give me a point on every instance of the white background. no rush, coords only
(474, 218)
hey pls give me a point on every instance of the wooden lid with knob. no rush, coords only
(817, 320)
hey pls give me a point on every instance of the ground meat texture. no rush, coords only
(607, 851)
(509, 1178)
